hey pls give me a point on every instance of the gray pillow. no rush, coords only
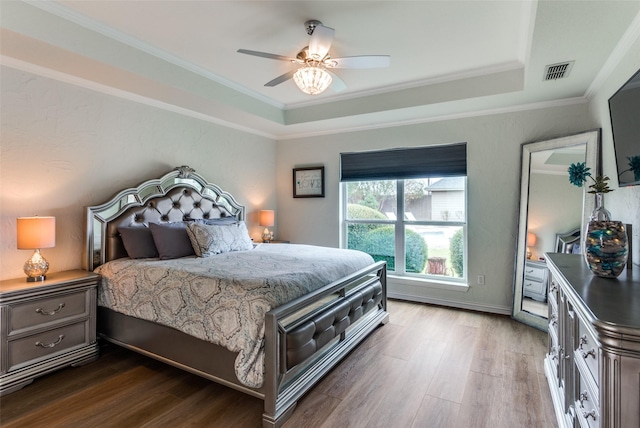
(138, 241)
(219, 221)
(208, 239)
(171, 240)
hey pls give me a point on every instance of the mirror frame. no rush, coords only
(593, 161)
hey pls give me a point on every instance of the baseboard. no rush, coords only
(494, 309)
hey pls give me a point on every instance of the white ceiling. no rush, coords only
(448, 58)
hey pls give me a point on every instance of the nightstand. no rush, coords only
(275, 241)
(536, 277)
(46, 325)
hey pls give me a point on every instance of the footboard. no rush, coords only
(307, 337)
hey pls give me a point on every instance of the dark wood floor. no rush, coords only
(429, 367)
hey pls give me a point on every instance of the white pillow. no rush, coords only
(208, 240)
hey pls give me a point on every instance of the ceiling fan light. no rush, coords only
(312, 80)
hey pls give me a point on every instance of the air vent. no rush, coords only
(557, 71)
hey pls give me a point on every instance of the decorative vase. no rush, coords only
(606, 247)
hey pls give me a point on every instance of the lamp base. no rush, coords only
(36, 267)
(267, 236)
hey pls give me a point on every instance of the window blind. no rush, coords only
(394, 164)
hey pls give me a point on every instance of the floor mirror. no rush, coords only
(552, 215)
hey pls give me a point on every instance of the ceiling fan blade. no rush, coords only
(265, 55)
(280, 79)
(363, 61)
(320, 42)
(337, 84)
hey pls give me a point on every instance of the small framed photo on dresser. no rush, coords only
(308, 182)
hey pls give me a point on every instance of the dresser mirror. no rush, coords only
(552, 214)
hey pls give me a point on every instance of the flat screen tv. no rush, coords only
(624, 108)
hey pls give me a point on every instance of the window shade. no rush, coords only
(419, 162)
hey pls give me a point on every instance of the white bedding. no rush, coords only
(223, 299)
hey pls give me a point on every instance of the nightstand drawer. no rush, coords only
(534, 272)
(47, 310)
(46, 344)
(534, 286)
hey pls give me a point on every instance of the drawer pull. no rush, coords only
(53, 312)
(583, 398)
(591, 352)
(562, 355)
(591, 414)
(52, 344)
(583, 341)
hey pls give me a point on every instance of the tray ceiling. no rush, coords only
(447, 58)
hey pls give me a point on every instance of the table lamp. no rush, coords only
(35, 233)
(531, 242)
(267, 218)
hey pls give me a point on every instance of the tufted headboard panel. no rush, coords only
(178, 196)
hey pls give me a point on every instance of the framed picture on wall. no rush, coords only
(308, 182)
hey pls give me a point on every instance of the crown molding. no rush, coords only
(441, 118)
(108, 90)
(90, 24)
(619, 52)
(28, 67)
(450, 77)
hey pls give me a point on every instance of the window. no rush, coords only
(416, 224)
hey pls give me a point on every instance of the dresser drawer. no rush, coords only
(46, 344)
(553, 325)
(587, 413)
(587, 350)
(554, 292)
(46, 310)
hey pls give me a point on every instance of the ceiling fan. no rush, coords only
(314, 75)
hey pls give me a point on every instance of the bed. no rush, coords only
(313, 310)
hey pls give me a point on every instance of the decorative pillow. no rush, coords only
(208, 239)
(138, 242)
(219, 221)
(171, 240)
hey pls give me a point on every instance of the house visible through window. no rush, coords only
(417, 224)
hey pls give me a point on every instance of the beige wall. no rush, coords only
(493, 158)
(64, 147)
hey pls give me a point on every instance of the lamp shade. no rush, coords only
(36, 232)
(267, 218)
(531, 239)
(312, 80)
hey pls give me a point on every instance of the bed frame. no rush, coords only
(304, 339)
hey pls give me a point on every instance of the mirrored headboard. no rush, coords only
(180, 195)
(569, 242)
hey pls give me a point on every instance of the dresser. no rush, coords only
(593, 360)
(536, 279)
(46, 325)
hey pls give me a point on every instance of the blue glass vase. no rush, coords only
(606, 247)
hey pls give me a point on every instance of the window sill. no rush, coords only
(428, 283)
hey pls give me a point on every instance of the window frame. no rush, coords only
(400, 224)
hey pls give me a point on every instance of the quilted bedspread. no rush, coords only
(223, 299)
